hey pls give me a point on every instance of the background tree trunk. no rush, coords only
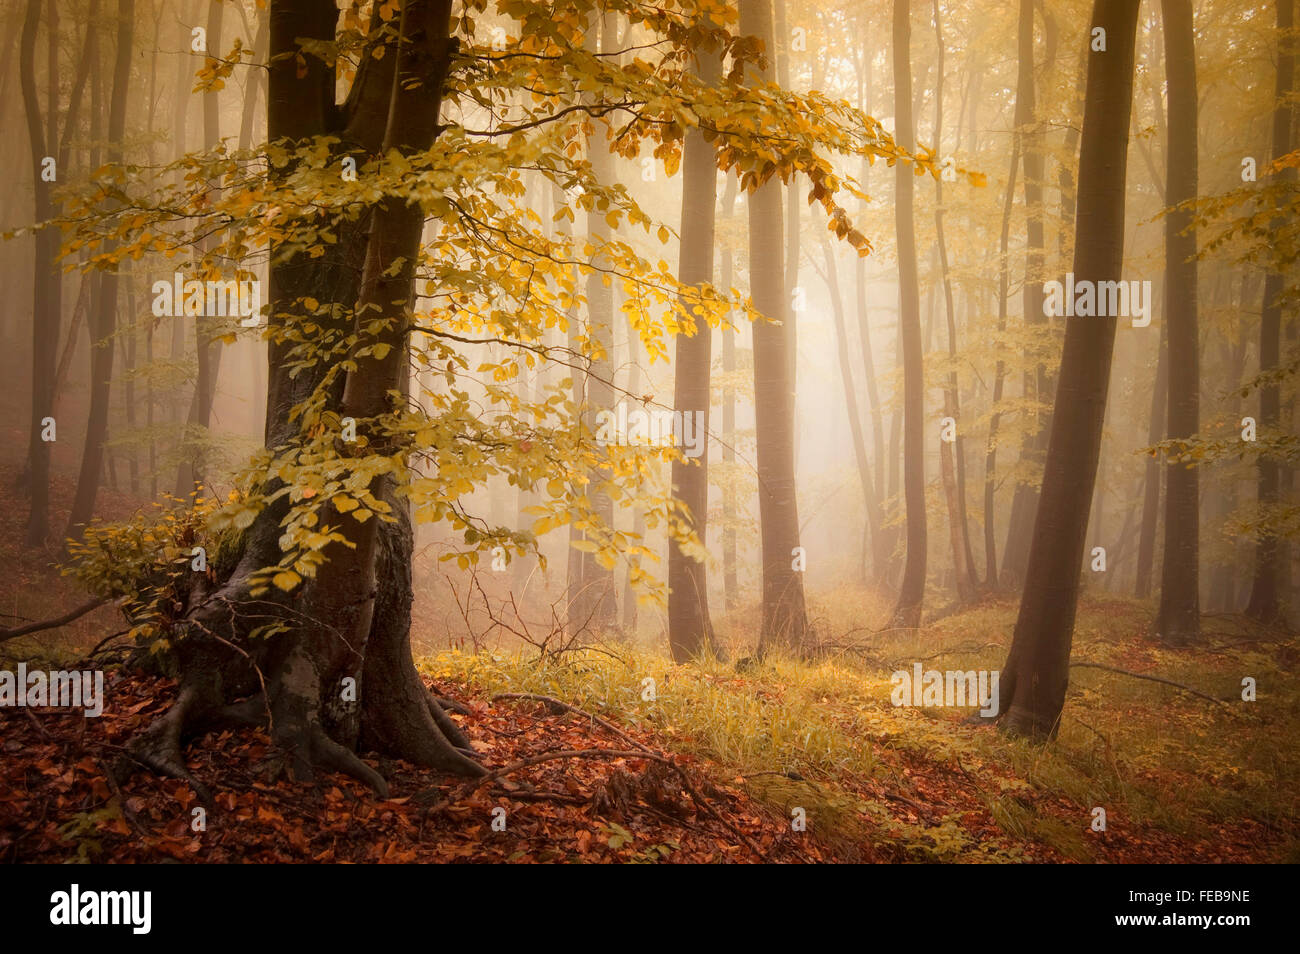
(1179, 618)
(1032, 448)
(1263, 604)
(103, 323)
(46, 291)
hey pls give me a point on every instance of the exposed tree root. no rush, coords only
(159, 747)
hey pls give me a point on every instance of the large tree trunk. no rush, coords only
(785, 620)
(911, 593)
(1036, 673)
(1179, 618)
(103, 319)
(689, 628)
(344, 623)
(1263, 604)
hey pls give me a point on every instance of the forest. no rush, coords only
(703, 431)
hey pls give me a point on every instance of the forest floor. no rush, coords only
(701, 763)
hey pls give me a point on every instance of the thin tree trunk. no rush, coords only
(1152, 475)
(785, 621)
(46, 292)
(999, 377)
(190, 474)
(690, 629)
(1179, 618)
(104, 316)
(911, 592)
(1263, 604)
(963, 557)
(869, 499)
(1034, 445)
(730, 585)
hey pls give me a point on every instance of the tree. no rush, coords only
(1151, 476)
(1263, 603)
(398, 234)
(46, 288)
(189, 475)
(954, 477)
(1035, 378)
(103, 320)
(869, 499)
(596, 602)
(1179, 618)
(911, 592)
(690, 629)
(1036, 673)
(785, 620)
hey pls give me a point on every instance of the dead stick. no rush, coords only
(608, 726)
(596, 754)
(1139, 675)
(80, 611)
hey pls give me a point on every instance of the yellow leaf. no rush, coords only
(286, 580)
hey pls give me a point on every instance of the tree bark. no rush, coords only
(690, 629)
(353, 619)
(1263, 604)
(46, 291)
(911, 593)
(730, 585)
(1151, 477)
(103, 323)
(869, 499)
(1178, 620)
(785, 621)
(1025, 500)
(963, 556)
(1036, 673)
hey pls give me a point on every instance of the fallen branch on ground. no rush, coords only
(593, 754)
(80, 611)
(1159, 679)
(564, 706)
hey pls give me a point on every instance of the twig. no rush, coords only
(127, 811)
(36, 723)
(80, 611)
(550, 700)
(597, 754)
(1160, 679)
(105, 641)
